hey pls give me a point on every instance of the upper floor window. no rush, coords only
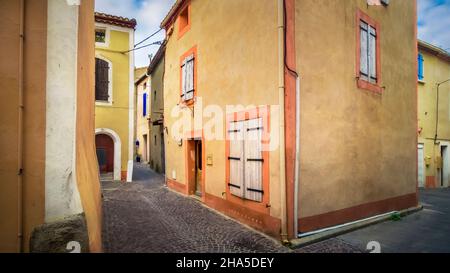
(188, 78)
(100, 36)
(102, 80)
(420, 67)
(144, 104)
(184, 20)
(368, 62)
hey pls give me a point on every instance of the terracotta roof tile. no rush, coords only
(115, 20)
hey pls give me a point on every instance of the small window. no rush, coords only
(102, 81)
(145, 85)
(100, 36)
(368, 54)
(184, 21)
(187, 78)
(420, 61)
(368, 65)
(154, 96)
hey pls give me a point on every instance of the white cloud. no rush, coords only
(434, 22)
(148, 14)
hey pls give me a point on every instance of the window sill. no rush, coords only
(188, 103)
(421, 81)
(103, 103)
(362, 84)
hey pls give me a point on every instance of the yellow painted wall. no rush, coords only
(356, 146)
(230, 54)
(157, 113)
(116, 116)
(436, 70)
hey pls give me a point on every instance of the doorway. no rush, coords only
(195, 167)
(145, 149)
(105, 153)
(421, 167)
(445, 175)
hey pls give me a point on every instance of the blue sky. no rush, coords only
(433, 25)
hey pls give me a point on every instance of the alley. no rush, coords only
(146, 217)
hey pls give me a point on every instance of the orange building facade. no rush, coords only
(289, 116)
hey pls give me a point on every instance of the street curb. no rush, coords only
(299, 243)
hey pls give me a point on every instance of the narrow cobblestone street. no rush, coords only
(146, 217)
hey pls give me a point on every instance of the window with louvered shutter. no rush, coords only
(246, 159)
(368, 52)
(187, 78)
(364, 57)
(420, 61)
(253, 160)
(372, 55)
(236, 158)
(101, 80)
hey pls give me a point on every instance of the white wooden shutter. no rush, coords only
(236, 159)
(190, 77)
(183, 80)
(372, 54)
(364, 60)
(253, 160)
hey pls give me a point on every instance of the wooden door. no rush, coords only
(105, 153)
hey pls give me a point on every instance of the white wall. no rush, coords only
(61, 192)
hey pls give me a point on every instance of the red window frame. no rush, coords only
(365, 84)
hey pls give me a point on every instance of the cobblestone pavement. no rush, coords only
(146, 217)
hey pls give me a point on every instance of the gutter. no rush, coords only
(20, 130)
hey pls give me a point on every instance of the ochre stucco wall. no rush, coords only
(436, 70)
(357, 147)
(236, 65)
(34, 120)
(86, 159)
(116, 117)
(157, 113)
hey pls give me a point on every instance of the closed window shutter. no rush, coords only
(253, 160)
(236, 159)
(190, 77)
(373, 54)
(183, 80)
(364, 58)
(420, 62)
(144, 105)
(101, 80)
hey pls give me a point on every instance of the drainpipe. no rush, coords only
(297, 152)
(20, 131)
(281, 97)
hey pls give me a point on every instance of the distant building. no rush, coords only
(156, 115)
(434, 116)
(142, 116)
(114, 95)
(49, 190)
(343, 145)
